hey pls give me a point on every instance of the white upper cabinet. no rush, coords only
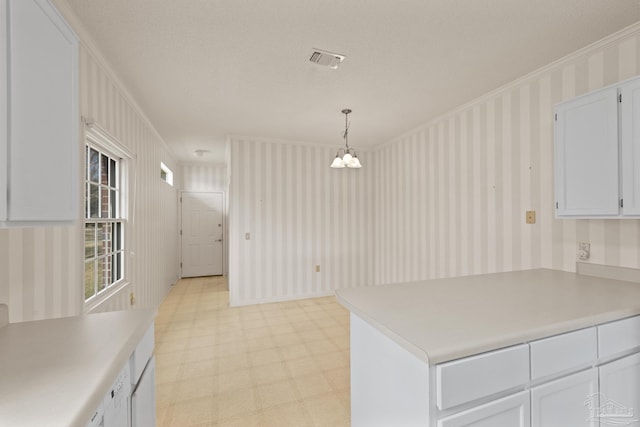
(597, 153)
(3, 109)
(586, 155)
(630, 144)
(39, 154)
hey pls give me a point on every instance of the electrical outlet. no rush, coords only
(584, 251)
(531, 217)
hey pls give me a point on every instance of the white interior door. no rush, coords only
(201, 234)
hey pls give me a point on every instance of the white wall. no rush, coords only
(300, 213)
(451, 196)
(41, 269)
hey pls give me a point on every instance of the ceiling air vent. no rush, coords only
(326, 59)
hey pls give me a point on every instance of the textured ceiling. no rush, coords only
(202, 70)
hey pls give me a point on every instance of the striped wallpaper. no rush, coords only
(199, 177)
(446, 199)
(451, 195)
(153, 212)
(41, 269)
(300, 213)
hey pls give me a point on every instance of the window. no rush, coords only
(165, 174)
(104, 225)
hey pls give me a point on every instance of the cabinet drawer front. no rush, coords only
(563, 352)
(474, 377)
(512, 411)
(617, 337)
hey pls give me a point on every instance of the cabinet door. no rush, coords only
(620, 390)
(561, 403)
(143, 398)
(3, 110)
(630, 145)
(586, 155)
(43, 114)
(511, 411)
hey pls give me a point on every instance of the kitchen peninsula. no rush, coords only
(528, 348)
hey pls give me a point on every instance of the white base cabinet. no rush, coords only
(593, 378)
(143, 399)
(561, 403)
(397, 393)
(620, 390)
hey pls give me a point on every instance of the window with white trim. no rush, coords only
(104, 224)
(166, 174)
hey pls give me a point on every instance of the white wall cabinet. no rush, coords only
(586, 155)
(597, 153)
(39, 153)
(630, 145)
(3, 108)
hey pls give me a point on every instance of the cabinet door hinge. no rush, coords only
(556, 117)
(620, 98)
(556, 205)
(622, 203)
(181, 232)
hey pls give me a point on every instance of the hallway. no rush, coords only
(277, 364)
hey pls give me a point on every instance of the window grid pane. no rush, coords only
(94, 166)
(113, 173)
(104, 249)
(89, 241)
(94, 200)
(89, 279)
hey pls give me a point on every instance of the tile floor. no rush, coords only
(279, 364)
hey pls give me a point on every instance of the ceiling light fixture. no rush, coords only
(349, 158)
(200, 153)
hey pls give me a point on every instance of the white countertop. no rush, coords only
(56, 372)
(445, 319)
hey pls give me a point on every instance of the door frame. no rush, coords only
(224, 228)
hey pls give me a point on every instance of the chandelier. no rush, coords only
(348, 158)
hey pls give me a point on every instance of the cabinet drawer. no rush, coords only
(471, 378)
(619, 336)
(563, 352)
(512, 411)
